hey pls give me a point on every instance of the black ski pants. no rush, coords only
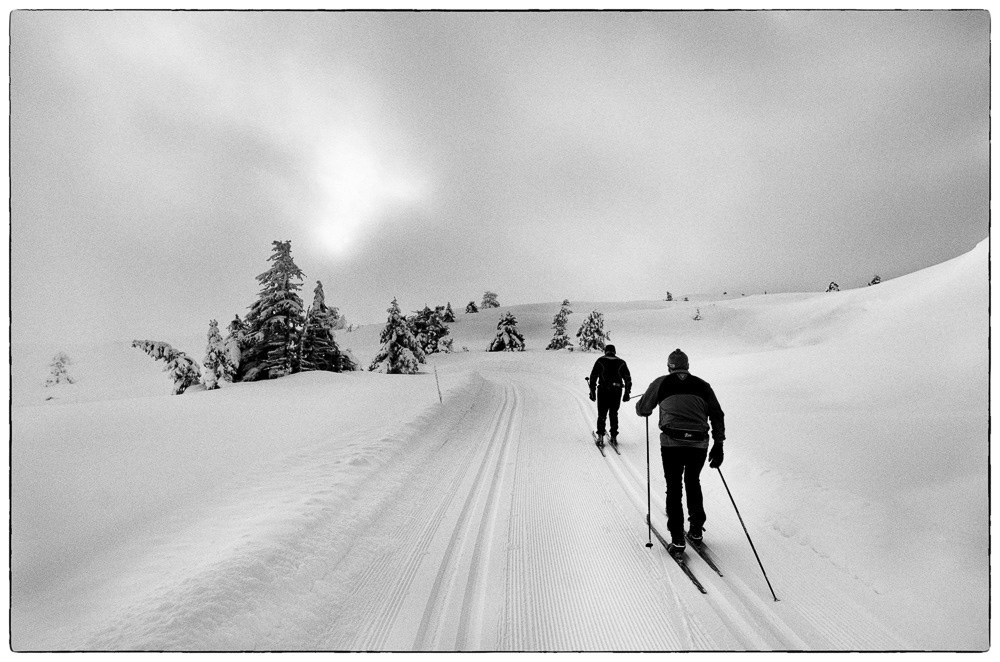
(682, 467)
(609, 399)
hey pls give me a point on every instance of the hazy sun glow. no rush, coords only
(357, 189)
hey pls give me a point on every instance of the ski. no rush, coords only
(679, 559)
(702, 551)
(599, 444)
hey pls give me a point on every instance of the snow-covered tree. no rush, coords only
(215, 357)
(670, 297)
(592, 334)
(876, 280)
(184, 370)
(832, 288)
(508, 339)
(429, 329)
(58, 372)
(559, 339)
(471, 308)
(449, 314)
(489, 300)
(697, 315)
(400, 353)
(275, 321)
(319, 344)
(233, 344)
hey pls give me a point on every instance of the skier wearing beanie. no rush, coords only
(687, 404)
(608, 379)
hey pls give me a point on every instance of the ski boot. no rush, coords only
(614, 441)
(599, 439)
(677, 549)
(696, 534)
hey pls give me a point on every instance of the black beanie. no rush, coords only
(609, 349)
(678, 360)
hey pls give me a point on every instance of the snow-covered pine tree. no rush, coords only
(670, 297)
(429, 329)
(58, 372)
(184, 370)
(233, 345)
(449, 314)
(400, 353)
(274, 323)
(832, 288)
(876, 280)
(490, 300)
(215, 357)
(592, 334)
(697, 315)
(471, 308)
(319, 344)
(508, 339)
(560, 340)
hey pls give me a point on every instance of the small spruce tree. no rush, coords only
(215, 357)
(559, 339)
(490, 300)
(429, 329)
(471, 308)
(592, 334)
(275, 321)
(400, 353)
(832, 288)
(319, 349)
(58, 372)
(508, 339)
(670, 297)
(876, 280)
(697, 315)
(184, 370)
(234, 342)
(449, 314)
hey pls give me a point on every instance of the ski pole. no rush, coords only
(747, 532)
(649, 507)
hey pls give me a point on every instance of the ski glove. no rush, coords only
(626, 397)
(715, 455)
(593, 396)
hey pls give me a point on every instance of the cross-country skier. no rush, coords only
(687, 404)
(609, 379)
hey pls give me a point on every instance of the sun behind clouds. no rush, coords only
(357, 189)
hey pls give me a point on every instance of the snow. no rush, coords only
(357, 512)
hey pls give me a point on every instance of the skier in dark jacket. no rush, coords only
(609, 379)
(687, 404)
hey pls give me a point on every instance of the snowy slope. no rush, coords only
(356, 512)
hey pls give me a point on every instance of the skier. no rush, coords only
(687, 404)
(609, 379)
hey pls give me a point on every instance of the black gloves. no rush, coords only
(715, 455)
(626, 397)
(593, 396)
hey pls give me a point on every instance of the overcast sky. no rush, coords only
(431, 156)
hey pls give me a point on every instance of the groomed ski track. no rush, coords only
(498, 526)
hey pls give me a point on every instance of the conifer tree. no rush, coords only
(184, 370)
(560, 340)
(215, 357)
(233, 344)
(400, 353)
(670, 297)
(832, 288)
(274, 323)
(428, 328)
(508, 339)
(697, 315)
(471, 308)
(490, 300)
(58, 372)
(319, 345)
(876, 280)
(592, 334)
(449, 314)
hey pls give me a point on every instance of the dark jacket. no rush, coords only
(610, 371)
(687, 405)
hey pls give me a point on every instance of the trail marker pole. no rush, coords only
(748, 534)
(440, 399)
